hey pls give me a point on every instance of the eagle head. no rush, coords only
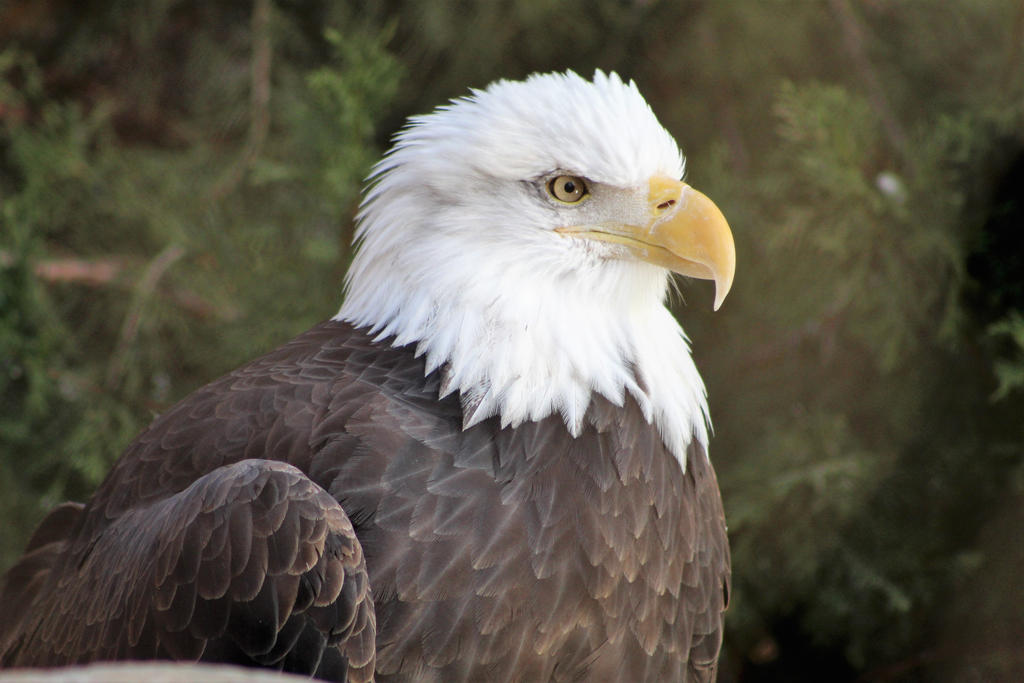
(523, 237)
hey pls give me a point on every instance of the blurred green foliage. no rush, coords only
(177, 182)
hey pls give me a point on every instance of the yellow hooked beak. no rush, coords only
(686, 233)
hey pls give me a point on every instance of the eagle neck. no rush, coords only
(542, 347)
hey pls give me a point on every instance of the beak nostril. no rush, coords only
(666, 204)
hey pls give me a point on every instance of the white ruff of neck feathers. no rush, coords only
(457, 255)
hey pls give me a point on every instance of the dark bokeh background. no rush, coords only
(178, 179)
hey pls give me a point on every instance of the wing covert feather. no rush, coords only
(161, 580)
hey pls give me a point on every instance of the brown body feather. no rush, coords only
(320, 510)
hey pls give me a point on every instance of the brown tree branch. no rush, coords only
(1012, 63)
(823, 331)
(114, 271)
(75, 270)
(853, 42)
(143, 291)
(724, 103)
(259, 101)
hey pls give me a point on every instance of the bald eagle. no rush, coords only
(490, 465)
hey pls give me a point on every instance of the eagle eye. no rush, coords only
(568, 189)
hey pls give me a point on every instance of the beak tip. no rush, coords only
(722, 288)
(723, 285)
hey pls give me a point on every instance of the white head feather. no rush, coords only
(458, 255)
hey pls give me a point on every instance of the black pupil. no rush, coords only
(569, 187)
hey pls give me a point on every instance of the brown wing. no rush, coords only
(24, 582)
(707, 593)
(252, 564)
